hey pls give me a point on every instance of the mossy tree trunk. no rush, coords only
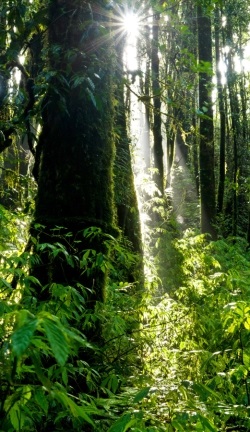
(125, 194)
(74, 157)
(206, 129)
(128, 218)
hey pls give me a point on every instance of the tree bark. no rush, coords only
(125, 194)
(74, 158)
(157, 143)
(206, 150)
(222, 114)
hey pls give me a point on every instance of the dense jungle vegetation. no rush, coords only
(124, 216)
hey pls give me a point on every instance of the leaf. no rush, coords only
(121, 424)
(81, 339)
(91, 95)
(57, 340)
(205, 392)
(26, 394)
(92, 85)
(16, 417)
(78, 80)
(178, 426)
(65, 376)
(70, 261)
(5, 283)
(247, 323)
(41, 400)
(206, 424)
(31, 279)
(141, 394)
(37, 364)
(22, 337)
(76, 410)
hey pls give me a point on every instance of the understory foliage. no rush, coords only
(197, 353)
(169, 355)
(167, 362)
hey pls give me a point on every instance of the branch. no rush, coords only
(5, 140)
(17, 64)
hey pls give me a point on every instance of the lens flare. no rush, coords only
(131, 23)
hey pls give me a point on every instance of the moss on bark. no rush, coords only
(75, 152)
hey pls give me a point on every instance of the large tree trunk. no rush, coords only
(206, 153)
(125, 194)
(74, 156)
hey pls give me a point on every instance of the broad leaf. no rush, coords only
(21, 338)
(141, 394)
(76, 410)
(57, 340)
(41, 400)
(178, 426)
(121, 424)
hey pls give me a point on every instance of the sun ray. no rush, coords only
(121, 22)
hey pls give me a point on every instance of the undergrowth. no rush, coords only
(177, 361)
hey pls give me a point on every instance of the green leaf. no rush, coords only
(91, 84)
(205, 392)
(91, 96)
(70, 261)
(121, 424)
(76, 410)
(141, 394)
(57, 340)
(16, 417)
(178, 426)
(204, 109)
(207, 426)
(41, 400)
(31, 279)
(77, 81)
(79, 338)
(21, 338)
(247, 323)
(4, 283)
(65, 376)
(38, 369)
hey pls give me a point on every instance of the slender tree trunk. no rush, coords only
(157, 144)
(146, 111)
(206, 150)
(244, 150)
(170, 127)
(236, 132)
(222, 114)
(195, 157)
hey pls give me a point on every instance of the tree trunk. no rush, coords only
(125, 194)
(236, 134)
(74, 158)
(222, 114)
(157, 144)
(206, 150)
